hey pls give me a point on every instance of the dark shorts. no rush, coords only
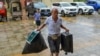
(54, 44)
(38, 22)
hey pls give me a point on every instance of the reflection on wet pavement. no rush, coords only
(85, 29)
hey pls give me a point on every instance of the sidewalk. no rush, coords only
(13, 35)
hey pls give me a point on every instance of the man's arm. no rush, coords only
(42, 26)
(64, 28)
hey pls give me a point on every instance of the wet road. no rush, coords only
(85, 30)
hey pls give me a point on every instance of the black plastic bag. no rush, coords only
(37, 45)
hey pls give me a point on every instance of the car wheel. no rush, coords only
(4, 19)
(89, 13)
(0, 18)
(62, 14)
(80, 12)
(98, 11)
(74, 15)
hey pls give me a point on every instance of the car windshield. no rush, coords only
(39, 5)
(66, 4)
(81, 4)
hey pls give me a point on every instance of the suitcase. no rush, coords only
(67, 42)
(34, 44)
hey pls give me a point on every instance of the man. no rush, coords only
(54, 24)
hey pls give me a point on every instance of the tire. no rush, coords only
(89, 13)
(74, 15)
(98, 11)
(62, 13)
(80, 12)
(4, 19)
(0, 18)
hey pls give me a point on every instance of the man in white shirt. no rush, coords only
(54, 24)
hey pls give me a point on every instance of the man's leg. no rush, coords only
(57, 45)
(52, 46)
(51, 54)
(56, 54)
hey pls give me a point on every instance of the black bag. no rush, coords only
(37, 45)
(67, 42)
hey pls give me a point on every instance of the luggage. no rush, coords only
(67, 42)
(35, 43)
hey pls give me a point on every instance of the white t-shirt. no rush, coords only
(53, 27)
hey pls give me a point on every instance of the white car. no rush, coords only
(65, 8)
(83, 8)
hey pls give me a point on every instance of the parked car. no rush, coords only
(44, 10)
(65, 8)
(95, 4)
(3, 12)
(83, 8)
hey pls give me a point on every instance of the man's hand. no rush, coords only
(38, 29)
(42, 26)
(67, 30)
(64, 28)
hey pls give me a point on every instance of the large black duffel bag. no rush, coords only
(67, 42)
(37, 44)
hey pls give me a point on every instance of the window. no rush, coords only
(73, 4)
(81, 4)
(65, 4)
(92, 2)
(56, 4)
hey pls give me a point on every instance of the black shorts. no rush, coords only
(54, 44)
(38, 22)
